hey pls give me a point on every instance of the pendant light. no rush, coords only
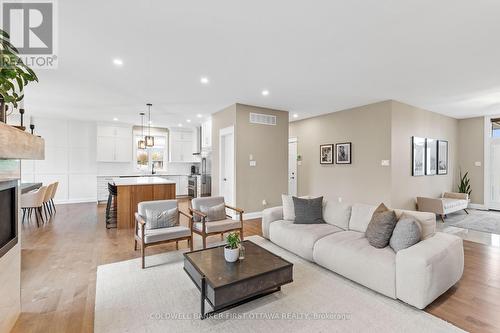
(150, 140)
(141, 144)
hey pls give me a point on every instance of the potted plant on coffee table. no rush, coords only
(232, 249)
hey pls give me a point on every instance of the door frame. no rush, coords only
(223, 132)
(487, 163)
(294, 140)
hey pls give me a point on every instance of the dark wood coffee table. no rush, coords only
(225, 285)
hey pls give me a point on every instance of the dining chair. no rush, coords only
(52, 196)
(46, 200)
(33, 202)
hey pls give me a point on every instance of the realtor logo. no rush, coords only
(31, 26)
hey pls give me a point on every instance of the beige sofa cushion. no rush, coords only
(361, 216)
(337, 214)
(299, 238)
(348, 253)
(426, 220)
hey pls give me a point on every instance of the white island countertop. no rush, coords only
(134, 181)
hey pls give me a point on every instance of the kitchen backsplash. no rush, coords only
(116, 169)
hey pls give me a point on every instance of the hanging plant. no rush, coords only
(14, 74)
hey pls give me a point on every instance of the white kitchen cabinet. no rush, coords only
(114, 144)
(183, 185)
(181, 145)
(206, 134)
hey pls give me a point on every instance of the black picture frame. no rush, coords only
(343, 153)
(326, 154)
(431, 156)
(418, 156)
(442, 157)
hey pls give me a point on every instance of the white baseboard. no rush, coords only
(74, 201)
(254, 215)
(477, 206)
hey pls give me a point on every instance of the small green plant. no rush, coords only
(464, 186)
(233, 240)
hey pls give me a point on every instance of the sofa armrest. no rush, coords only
(270, 215)
(427, 269)
(430, 205)
(453, 195)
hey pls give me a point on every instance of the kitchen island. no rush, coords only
(132, 190)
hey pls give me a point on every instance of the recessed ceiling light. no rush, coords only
(295, 115)
(199, 115)
(188, 120)
(265, 92)
(118, 62)
(204, 80)
(115, 119)
(180, 125)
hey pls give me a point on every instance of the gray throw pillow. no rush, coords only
(381, 226)
(156, 219)
(308, 211)
(406, 233)
(214, 213)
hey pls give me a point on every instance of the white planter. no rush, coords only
(231, 255)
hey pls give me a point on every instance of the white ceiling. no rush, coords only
(314, 57)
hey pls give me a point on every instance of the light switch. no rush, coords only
(299, 162)
(385, 163)
(477, 163)
(250, 157)
(340, 199)
(253, 163)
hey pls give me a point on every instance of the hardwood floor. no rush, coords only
(59, 262)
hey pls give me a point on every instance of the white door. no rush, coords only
(292, 167)
(495, 173)
(226, 165)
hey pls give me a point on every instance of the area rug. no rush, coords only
(162, 298)
(483, 221)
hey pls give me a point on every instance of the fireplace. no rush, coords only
(8, 215)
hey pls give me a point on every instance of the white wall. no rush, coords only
(70, 159)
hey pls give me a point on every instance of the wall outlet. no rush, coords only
(299, 162)
(264, 202)
(477, 163)
(385, 163)
(253, 163)
(340, 199)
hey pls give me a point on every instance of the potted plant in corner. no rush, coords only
(464, 186)
(232, 249)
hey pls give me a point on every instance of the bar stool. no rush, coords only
(33, 201)
(111, 207)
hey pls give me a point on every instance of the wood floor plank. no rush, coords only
(60, 259)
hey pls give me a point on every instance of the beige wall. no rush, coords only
(365, 180)
(10, 266)
(269, 147)
(471, 149)
(380, 131)
(408, 121)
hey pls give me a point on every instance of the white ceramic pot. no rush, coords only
(231, 255)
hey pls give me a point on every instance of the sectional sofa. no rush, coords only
(416, 275)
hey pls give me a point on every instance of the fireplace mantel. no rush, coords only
(19, 145)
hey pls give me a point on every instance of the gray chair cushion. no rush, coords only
(308, 211)
(161, 205)
(158, 235)
(196, 203)
(379, 230)
(214, 213)
(156, 219)
(407, 233)
(218, 226)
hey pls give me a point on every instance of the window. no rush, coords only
(150, 157)
(495, 128)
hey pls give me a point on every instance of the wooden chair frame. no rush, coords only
(204, 234)
(140, 220)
